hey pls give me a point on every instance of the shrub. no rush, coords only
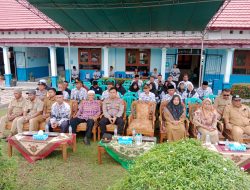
(183, 165)
(242, 89)
(8, 173)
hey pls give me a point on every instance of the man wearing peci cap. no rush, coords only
(60, 114)
(204, 90)
(89, 111)
(147, 95)
(79, 93)
(237, 118)
(32, 109)
(41, 92)
(15, 111)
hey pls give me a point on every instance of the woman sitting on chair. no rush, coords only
(205, 120)
(134, 87)
(174, 114)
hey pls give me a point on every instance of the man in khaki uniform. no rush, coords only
(222, 101)
(46, 110)
(237, 118)
(32, 109)
(15, 111)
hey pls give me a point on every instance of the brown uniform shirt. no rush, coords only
(113, 107)
(41, 94)
(47, 104)
(16, 106)
(220, 103)
(237, 116)
(33, 107)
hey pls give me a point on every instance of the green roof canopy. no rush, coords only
(129, 15)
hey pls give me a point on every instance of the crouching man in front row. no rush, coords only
(60, 114)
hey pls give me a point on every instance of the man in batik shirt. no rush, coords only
(79, 93)
(89, 111)
(60, 114)
(147, 95)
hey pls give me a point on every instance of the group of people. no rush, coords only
(50, 106)
(160, 90)
(229, 108)
(75, 74)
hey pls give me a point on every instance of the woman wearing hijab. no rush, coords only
(205, 120)
(190, 92)
(174, 114)
(120, 88)
(152, 87)
(134, 87)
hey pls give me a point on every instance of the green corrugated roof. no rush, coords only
(129, 15)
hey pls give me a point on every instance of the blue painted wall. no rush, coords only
(73, 57)
(117, 58)
(239, 79)
(60, 56)
(223, 53)
(35, 61)
(38, 72)
(155, 59)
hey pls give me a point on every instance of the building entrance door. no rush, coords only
(189, 62)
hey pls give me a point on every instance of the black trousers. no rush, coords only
(76, 121)
(105, 121)
(64, 127)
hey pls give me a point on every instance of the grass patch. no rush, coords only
(81, 171)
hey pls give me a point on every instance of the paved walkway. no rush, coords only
(6, 93)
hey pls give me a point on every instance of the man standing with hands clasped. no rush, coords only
(113, 109)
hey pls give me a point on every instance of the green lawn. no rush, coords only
(81, 171)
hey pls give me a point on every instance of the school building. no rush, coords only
(211, 45)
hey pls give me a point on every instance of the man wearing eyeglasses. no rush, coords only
(222, 101)
(237, 118)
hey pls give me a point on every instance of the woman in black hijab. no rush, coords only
(134, 87)
(174, 114)
(120, 88)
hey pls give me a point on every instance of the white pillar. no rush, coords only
(229, 65)
(106, 61)
(6, 60)
(53, 65)
(53, 61)
(163, 62)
